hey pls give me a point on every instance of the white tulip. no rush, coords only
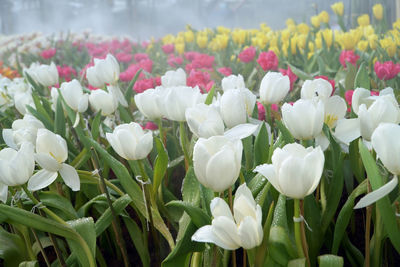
(54, 98)
(232, 82)
(229, 232)
(236, 105)
(386, 143)
(73, 95)
(16, 167)
(46, 75)
(104, 101)
(5, 100)
(51, 153)
(274, 87)
(21, 100)
(104, 71)
(304, 119)
(217, 161)
(22, 130)
(130, 141)
(149, 102)
(319, 88)
(204, 120)
(174, 78)
(295, 171)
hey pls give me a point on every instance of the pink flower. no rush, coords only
(348, 56)
(332, 82)
(374, 93)
(142, 85)
(49, 53)
(168, 48)
(130, 72)
(150, 126)
(386, 70)
(140, 56)
(191, 55)
(274, 107)
(123, 57)
(290, 74)
(261, 111)
(209, 85)
(226, 71)
(174, 61)
(348, 95)
(146, 64)
(247, 54)
(198, 78)
(268, 60)
(66, 72)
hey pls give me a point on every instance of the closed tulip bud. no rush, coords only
(174, 78)
(149, 102)
(104, 71)
(204, 121)
(46, 75)
(51, 153)
(243, 100)
(338, 8)
(377, 9)
(295, 171)
(316, 88)
(104, 101)
(130, 141)
(232, 82)
(229, 232)
(217, 161)
(73, 95)
(274, 88)
(304, 119)
(21, 100)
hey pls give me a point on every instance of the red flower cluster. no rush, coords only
(386, 70)
(292, 77)
(348, 56)
(268, 60)
(247, 54)
(49, 53)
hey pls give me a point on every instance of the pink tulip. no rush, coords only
(247, 54)
(386, 70)
(268, 60)
(348, 56)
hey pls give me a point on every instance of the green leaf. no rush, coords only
(12, 248)
(299, 73)
(49, 125)
(198, 216)
(63, 205)
(287, 136)
(297, 263)
(384, 204)
(261, 146)
(96, 126)
(350, 77)
(125, 115)
(106, 218)
(40, 108)
(129, 90)
(190, 187)
(362, 78)
(210, 95)
(86, 228)
(136, 235)
(330, 261)
(59, 124)
(28, 264)
(161, 164)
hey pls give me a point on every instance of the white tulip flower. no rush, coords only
(130, 141)
(46, 75)
(73, 95)
(229, 232)
(236, 105)
(21, 100)
(104, 71)
(232, 82)
(104, 101)
(295, 171)
(150, 102)
(174, 78)
(204, 120)
(274, 87)
(51, 153)
(217, 161)
(319, 88)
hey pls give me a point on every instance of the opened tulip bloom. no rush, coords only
(174, 78)
(319, 88)
(16, 167)
(104, 71)
(51, 153)
(104, 101)
(204, 120)
(243, 229)
(130, 141)
(232, 82)
(217, 161)
(46, 75)
(149, 102)
(243, 101)
(295, 171)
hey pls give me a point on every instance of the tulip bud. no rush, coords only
(46, 75)
(149, 102)
(316, 88)
(243, 100)
(232, 82)
(295, 171)
(174, 78)
(244, 229)
(377, 10)
(21, 100)
(104, 71)
(51, 152)
(304, 119)
(73, 95)
(274, 87)
(217, 162)
(130, 141)
(104, 101)
(204, 121)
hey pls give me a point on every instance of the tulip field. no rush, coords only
(211, 147)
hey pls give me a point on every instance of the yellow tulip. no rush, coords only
(303, 28)
(363, 20)
(377, 9)
(189, 36)
(168, 39)
(202, 40)
(239, 36)
(338, 8)
(372, 41)
(362, 45)
(285, 35)
(324, 17)
(389, 45)
(180, 48)
(349, 40)
(396, 25)
(223, 30)
(315, 21)
(290, 22)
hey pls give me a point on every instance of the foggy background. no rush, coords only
(143, 19)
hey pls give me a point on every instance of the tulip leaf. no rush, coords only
(60, 203)
(261, 146)
(95, 129)
(210, 96)
(384, 204)
(137, 238)
(299, 73)
(132, 189)
(48, 124)
(198, 216)
(161, 164)
(330, 261)
(257, 183)
(297, 263)
(106, 218)
(287, 136)
(28, 264)
(355, 161)
(261, 251)
(59, 123)
(344, 216)
(362, 78)
(129, 90)
(12, 248)
(124, 114)
(190, 187)
(350, 76)
(40, 108)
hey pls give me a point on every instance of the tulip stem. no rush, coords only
(161, 131)
(303, 234)
(184, 141)
(231, 207)
(368, 230)
(297, 231)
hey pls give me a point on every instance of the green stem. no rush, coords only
(196, 259)
(297, 230)
(161, 130)
(184, 141)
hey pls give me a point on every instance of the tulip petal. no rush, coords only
(41, 179)
(250, 233)
(376, 195)
(47, 162)
(70, 177)
(221, 170)
(206, 234)
(8, 138)
(268, 171)
(3, 192)
(219, 207)
(77, 118)
(322, 141)
(347, 130)
(226, 233)
(241, 131)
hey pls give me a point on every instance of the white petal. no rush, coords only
(226, 233)
(347, 130)
(268, 171)
(3, 192)
(322, 141)
(241, 131)
(47, 162)
(250, 233)
(374, 196)
(219, 207)
(41, 179)
(8, 138)
(70, 177)
(77, 118)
